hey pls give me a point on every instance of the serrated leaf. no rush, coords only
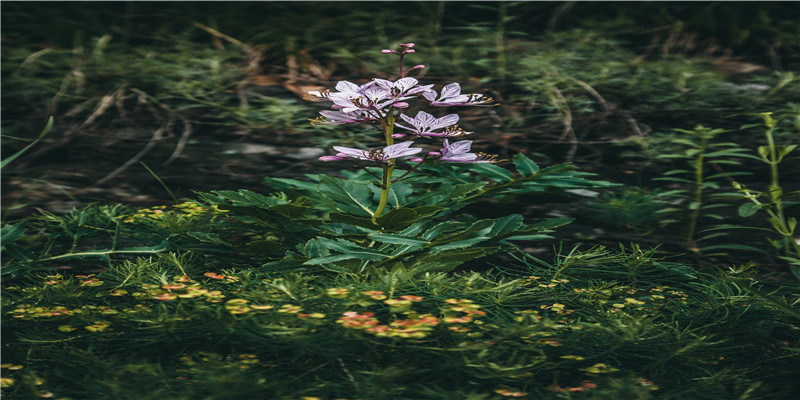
(353, 220)
(350, 197)
(525, 166)
(507, 224)
(396, 239)
(399, 218)
(341, 257)
(493, 172)
(459, 244)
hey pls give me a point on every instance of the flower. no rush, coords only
(459, 152)
(375, 95)
(451, 96)
(425, 124)
(385, 155)
(340, 117)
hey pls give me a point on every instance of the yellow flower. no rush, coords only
(6, 382)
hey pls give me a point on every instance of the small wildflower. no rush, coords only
(98, 327)
(375, 294)
(451, 96)
(290, 309)
(425, 124)
(385, 155)
(165, 296)
(338, 293)
(509, 393)
(459, 152)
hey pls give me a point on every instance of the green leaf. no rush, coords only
(104, 254)
(14, 156)
(291, 184)
(550, 223)
(350, 197)
(493, 172)
(399, 218)
(748, 209)
(341, 257)
(507, 224)
(10, 233)
(459, 244)
(396, 239)
(353, 220)
(525, 165)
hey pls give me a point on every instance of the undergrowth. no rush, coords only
(600, 323)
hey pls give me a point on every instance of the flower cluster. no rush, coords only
(417, 326)
(384, 103)
(580, 388)
(185, 209)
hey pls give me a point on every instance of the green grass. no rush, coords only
(215, 298)
(169, 327)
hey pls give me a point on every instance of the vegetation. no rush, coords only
(606, 252)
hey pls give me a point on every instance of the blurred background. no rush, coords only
(208, 95)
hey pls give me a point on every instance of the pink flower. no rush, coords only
(451, 96)
(386, 155)
(459, 152)
(425, 124)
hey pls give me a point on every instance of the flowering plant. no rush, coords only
(408, 218)
(383, 103)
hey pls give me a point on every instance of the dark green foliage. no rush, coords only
(621, 320)
(304, 293)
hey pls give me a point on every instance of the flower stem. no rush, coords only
(386, 182)
(388, 168)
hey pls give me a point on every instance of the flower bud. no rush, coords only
(398, 135)
(434, 153)
(330, 158)
(411, 51)
(416, 159)
(400, 104)
(386, 51)
(420, 66)
(406, 45)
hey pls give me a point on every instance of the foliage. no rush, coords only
(415, 278)
(776, 201)
(170, 326)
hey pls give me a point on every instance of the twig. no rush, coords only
(157, 135)
(187, 131)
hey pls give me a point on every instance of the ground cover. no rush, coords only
(270, 274)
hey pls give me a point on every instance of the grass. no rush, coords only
(213, 297)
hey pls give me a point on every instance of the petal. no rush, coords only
(345, 86)
(459, 147)
(447, 120)
(429, 95)
(468, 157)
(424, 121)
(350, 152)
(451, 90)
(400, 149)
(405, 84)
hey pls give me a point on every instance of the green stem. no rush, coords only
(698, 194)
(775, 192)
(388, 168)
(386, 182)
